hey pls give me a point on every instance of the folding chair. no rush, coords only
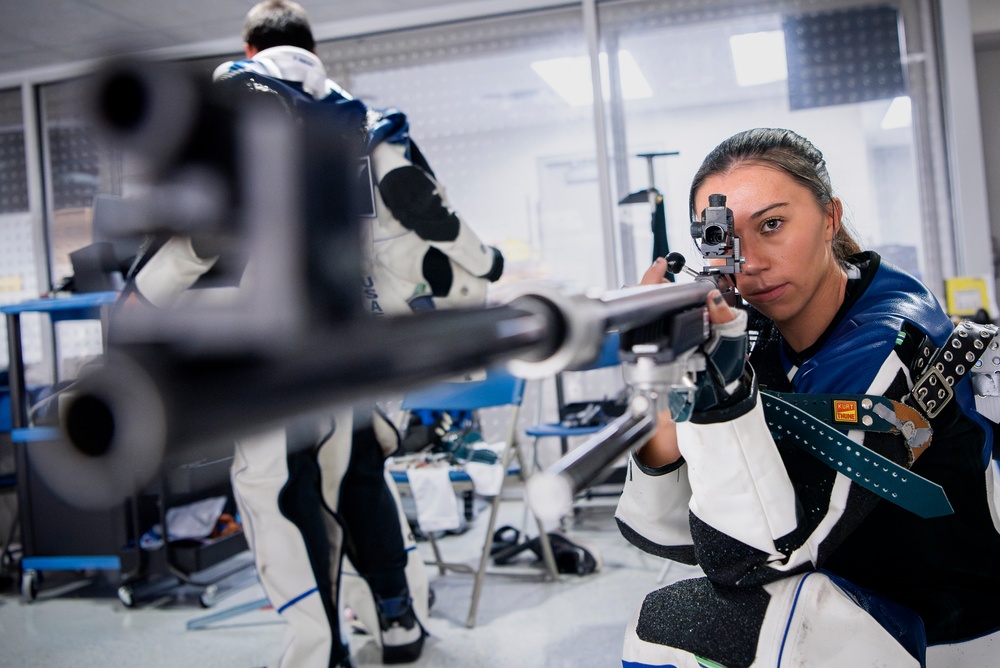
(497, 390)
(608, 357)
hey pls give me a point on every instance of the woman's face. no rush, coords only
(790, 275)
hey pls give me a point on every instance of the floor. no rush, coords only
(577, 621)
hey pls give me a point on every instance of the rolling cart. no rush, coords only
(57, 536)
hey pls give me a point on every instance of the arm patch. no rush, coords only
(413, 199)
(437, 271)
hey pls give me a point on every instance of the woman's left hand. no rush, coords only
(656, 274)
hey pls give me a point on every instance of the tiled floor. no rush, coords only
(576, 621)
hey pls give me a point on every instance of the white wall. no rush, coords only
(985, 16)
(493, 181)
(964, 149)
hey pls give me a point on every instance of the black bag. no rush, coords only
(439, 431)
(593, 413)
(571, 558)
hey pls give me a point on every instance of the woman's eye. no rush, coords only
(770, 224)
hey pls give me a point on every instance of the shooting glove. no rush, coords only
(722, 383)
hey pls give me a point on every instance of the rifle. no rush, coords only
(660, 362)
(151, 405)
(176, 381)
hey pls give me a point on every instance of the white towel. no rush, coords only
(437, 506)
(486, 478)
(195, 520)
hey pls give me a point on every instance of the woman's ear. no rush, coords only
(835, 211)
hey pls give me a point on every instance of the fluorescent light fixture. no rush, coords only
(759, 57)
(898, 114)
(570, 78)
(634, 84)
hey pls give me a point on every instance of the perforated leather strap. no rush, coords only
(942, 368)
(867, 412)
(859, 464)
(842, 411)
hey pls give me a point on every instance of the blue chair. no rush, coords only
(498, 389)
(608, 357)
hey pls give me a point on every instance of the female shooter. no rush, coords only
(804, 565)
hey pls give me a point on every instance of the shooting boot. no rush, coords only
(402, 634)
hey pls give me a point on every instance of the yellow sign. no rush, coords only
(965, 295)
(845, 411)
(11, 283)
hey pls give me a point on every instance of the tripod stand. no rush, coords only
(657, 214)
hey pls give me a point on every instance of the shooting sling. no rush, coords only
(806, 429)
(813, 421)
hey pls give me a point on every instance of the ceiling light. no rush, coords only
(634, 84)
(570, 78)
(898, 114)
(759, 57)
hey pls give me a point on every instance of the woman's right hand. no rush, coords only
(662, 449)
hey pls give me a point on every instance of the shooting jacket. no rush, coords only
(418, 252)
(422, 254)
(750, 510)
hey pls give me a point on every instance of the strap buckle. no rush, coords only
(932, 392)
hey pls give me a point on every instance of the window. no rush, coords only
(838, 76)
(17, 266)
(72, 174)
(517, 161)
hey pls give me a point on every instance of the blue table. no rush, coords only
(86, 306)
